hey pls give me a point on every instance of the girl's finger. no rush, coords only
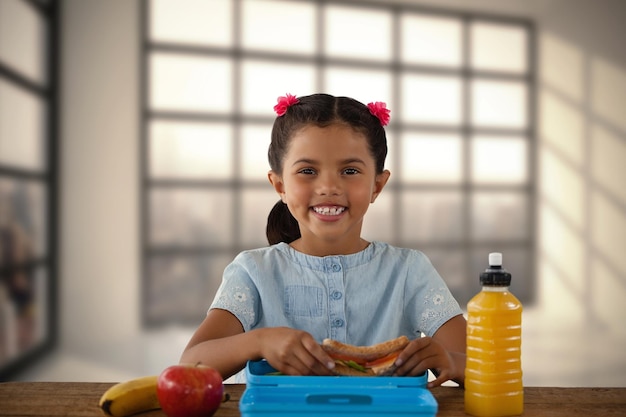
(320, 362)
(417, 363)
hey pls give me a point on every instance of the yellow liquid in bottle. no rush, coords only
(493, 371)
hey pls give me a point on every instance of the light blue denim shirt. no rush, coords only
(364, 298)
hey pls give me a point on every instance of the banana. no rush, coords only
(131, 397)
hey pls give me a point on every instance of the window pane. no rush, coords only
(431, 158)
(499, 104)
(431, 99)
(263, 82)
(450, 264)
(23, 224)
(352, 32)
(256, 206)
(431, 40)
(498, 47)
(255, 143)
(268, 25)
(25, 297)
(433, 216)
(23, 40)
(191, 217)
(181, 82)
(22, 128)
(502, 160)
(499, 216)
(180, 289)
(363, 85)
(378, 224)
(198, 22)
(191, 150)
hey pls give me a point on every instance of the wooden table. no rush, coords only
(81, 399)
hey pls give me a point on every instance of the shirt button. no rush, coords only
(336, 267)
(337, 323)
(336, 295)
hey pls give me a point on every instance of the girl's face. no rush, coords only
(329, 180)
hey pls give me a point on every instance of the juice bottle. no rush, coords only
(493, 371)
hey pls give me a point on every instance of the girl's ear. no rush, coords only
(277, 182)
(379, 183)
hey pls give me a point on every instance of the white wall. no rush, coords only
(582, 207)
(581, 213)
(99, 179)
(582, 132)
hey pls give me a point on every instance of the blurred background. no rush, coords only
(133, 138)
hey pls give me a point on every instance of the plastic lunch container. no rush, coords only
(282, 395)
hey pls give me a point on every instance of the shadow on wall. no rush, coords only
(582, 199)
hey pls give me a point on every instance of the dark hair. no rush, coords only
(319, 110)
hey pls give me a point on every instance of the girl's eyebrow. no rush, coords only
(346, 161)
(304, 161)
(353, 161)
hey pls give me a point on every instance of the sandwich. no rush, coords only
(374, 360)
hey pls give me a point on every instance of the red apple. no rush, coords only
(190, 390)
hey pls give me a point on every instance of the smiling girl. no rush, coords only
(319, 278)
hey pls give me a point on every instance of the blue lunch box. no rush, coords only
(283, 395)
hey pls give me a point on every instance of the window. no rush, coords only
(27, 181)
(461, 139)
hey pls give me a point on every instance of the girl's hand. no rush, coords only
(294, 352)
(426, 353)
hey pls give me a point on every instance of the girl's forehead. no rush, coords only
(339, 127)
(336, 136)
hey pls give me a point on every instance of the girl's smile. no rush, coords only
(329, 213)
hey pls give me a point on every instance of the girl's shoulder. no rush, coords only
(262, 252)
(402, 261)
(257, 261)
(397, 252)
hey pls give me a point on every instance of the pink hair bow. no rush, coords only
(284, 102)
(380, 110)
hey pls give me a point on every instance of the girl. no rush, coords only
(319, 279)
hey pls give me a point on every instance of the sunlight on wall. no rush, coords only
(582, 208)
(608, 93)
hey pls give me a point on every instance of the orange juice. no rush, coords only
(493, 371)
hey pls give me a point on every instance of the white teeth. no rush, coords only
(332, 211)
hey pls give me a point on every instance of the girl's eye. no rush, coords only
(307, 171)
(350, 171)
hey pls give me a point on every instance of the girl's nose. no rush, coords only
(328, 185)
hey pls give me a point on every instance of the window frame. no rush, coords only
(467, 246)
(48, 177)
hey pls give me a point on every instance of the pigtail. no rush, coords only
(281, 225)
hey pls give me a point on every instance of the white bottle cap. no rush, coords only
(495, 259)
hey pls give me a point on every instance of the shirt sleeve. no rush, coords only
(432, 303)
(238, 294)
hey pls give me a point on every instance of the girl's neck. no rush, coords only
(328, 249)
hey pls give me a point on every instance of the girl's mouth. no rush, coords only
(329, 210)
